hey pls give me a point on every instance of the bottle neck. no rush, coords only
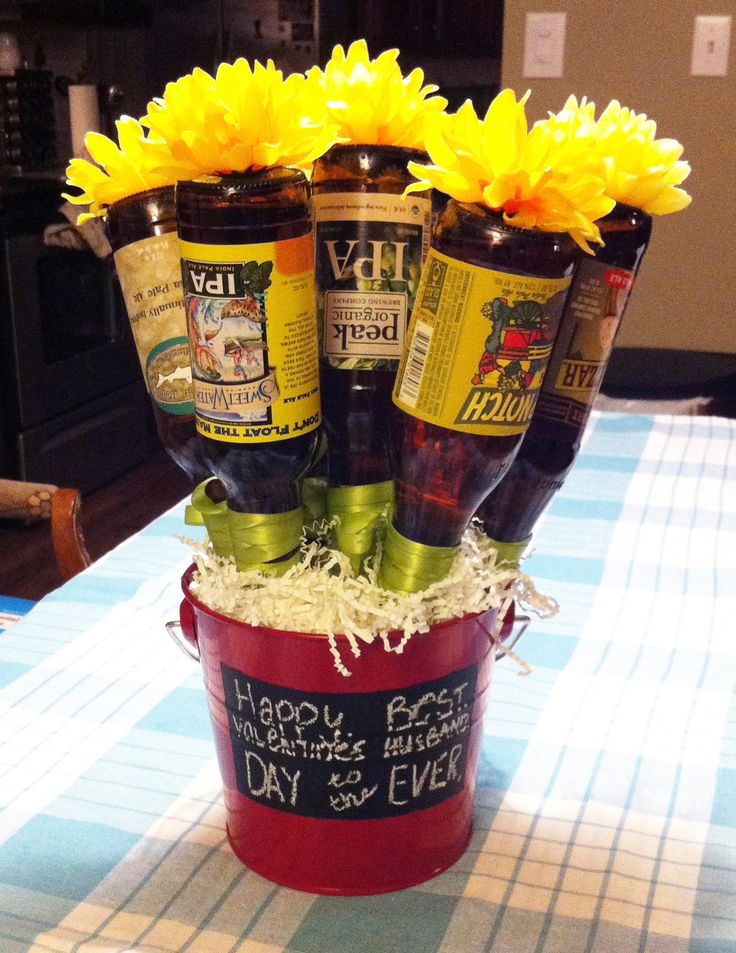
(265, 206)
(480, 236)
(142, 215)
(368, 168)
(624, 217)
(626, 232)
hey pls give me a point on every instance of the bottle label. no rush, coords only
(253, 339)
(150, 279)
(478, 346)
(592, 317)
(370, 249)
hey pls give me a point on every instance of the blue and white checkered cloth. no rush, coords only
(11, 610)
(605, 817)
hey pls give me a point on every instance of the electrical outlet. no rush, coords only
(544, 44)
(711, 41)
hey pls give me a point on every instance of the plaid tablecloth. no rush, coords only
(11, 610)
(605, 817)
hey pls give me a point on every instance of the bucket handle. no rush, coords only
(506, 648)
(183, 632)
(506, 635)
(519, 627)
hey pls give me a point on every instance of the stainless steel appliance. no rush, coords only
(73, 408)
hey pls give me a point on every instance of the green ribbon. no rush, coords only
(412, 567)
(509, 554)
(359, 509)
(263, 540)
(214, 517)
(314, 501)
(192, 517)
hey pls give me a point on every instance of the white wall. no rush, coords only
(638, 51)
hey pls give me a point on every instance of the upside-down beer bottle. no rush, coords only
(248, 270)
(142, 230)
(370, 244)
(598, 298)
(485, 318)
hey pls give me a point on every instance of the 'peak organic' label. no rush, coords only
(478, 346)
(370, 248)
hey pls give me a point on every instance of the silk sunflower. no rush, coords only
(244, 118)
(131, 165)
(641, 170)
(370, 101)
(536, 179)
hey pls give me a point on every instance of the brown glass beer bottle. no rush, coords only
(142, 230)
(598, 297)
(369, 244)
(248, 271)
(485, 318)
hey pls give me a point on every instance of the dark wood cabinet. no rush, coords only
(457, 43)
(86, 13)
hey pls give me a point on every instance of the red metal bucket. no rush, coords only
(344, 785)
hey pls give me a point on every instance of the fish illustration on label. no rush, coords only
(150, 279)
(168, 376)
(229, 341)
(180, 374)
(252, 336)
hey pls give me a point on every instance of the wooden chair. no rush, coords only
(38, 501)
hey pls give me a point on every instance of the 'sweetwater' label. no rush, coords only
(592, 317)
(478, 346)
(253, 338)
(370, 248)
(150, 279)
(350, 756)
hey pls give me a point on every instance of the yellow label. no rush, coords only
(150, 279)
(253, 337)
(478, 346)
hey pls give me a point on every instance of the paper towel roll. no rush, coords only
(84, 114)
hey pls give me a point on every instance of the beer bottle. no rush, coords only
(486, 314)
(248, 272)
(598, 298)
(142, 230)
(370, 244)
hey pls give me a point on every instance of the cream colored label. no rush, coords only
(150, 278)
(478, 346)
(369, 253)
(253, 336)
(593, 314)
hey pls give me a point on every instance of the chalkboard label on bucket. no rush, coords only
(350, 756)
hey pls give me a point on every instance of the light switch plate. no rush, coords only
(544, 44)
(711, 42)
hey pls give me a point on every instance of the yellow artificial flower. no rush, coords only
(189, 119)
(245, 118)
(641, 170)
(573, 120)
(538, 180)
(120, 170)
(370, 101)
